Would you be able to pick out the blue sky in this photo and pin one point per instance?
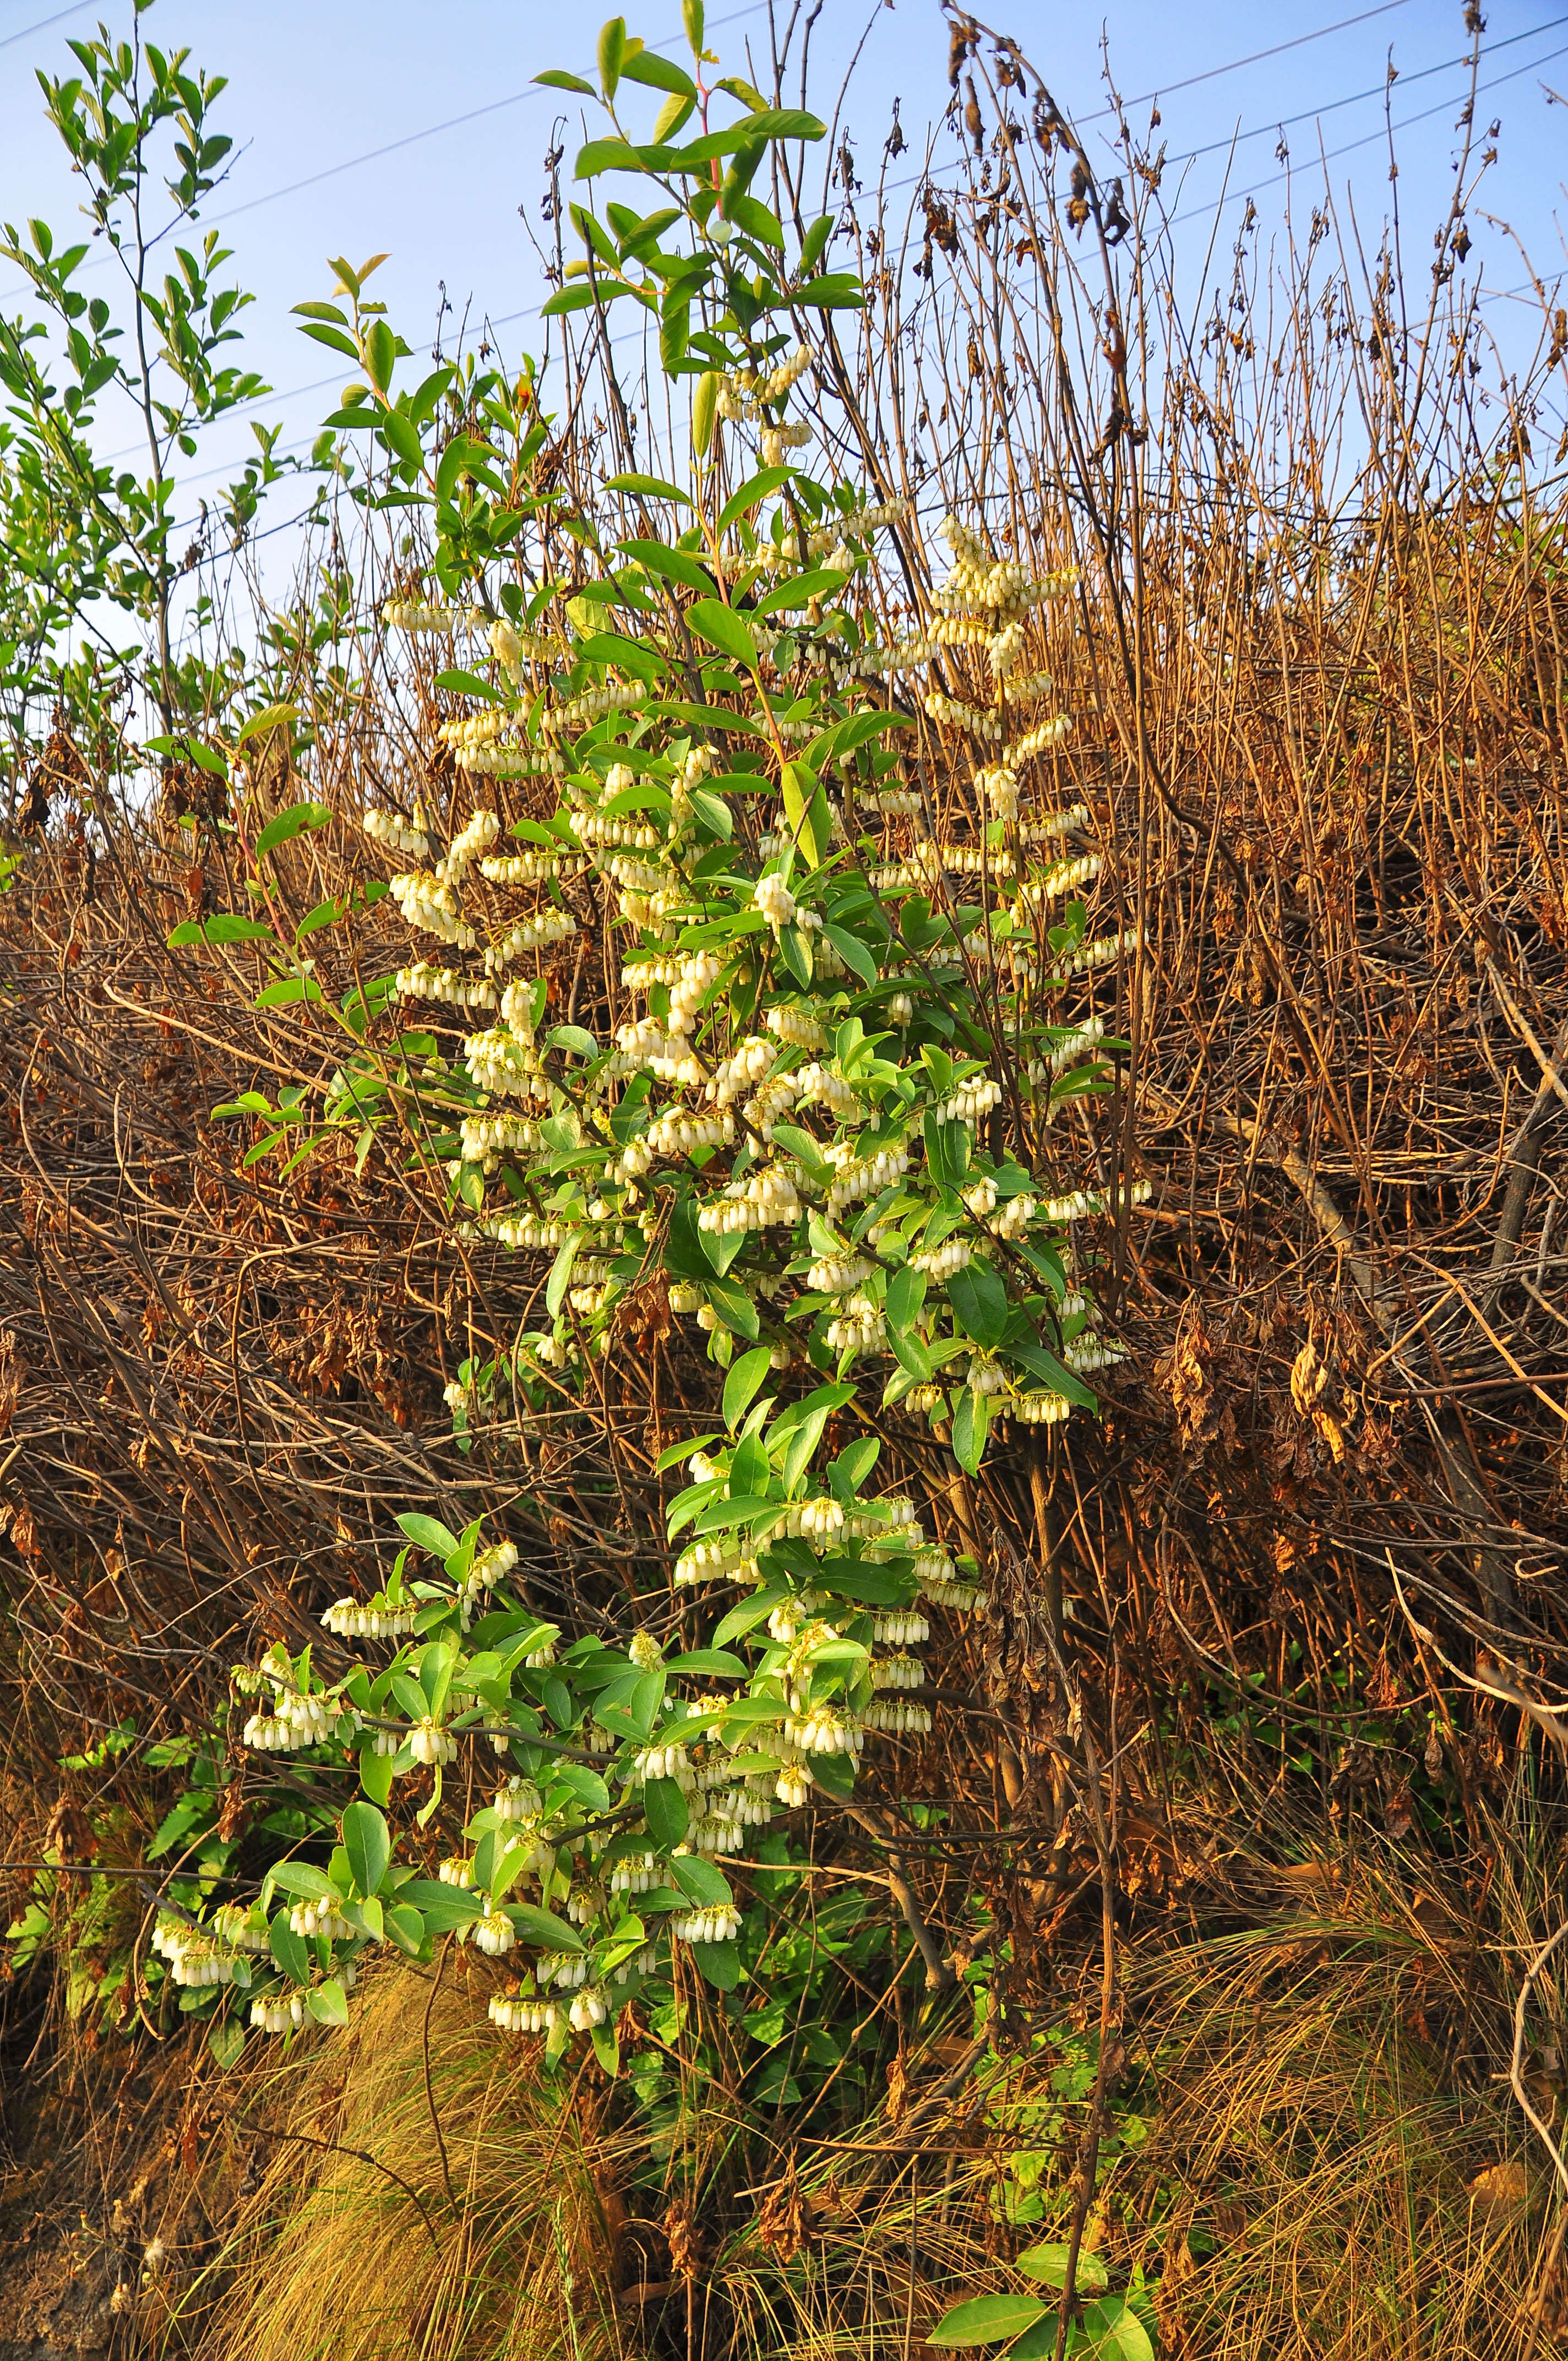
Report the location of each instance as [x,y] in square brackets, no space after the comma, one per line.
[313,86]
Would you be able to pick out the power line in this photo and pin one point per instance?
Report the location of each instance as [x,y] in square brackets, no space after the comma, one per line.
[1376,90]
[1236,196]
[1256,57]
[373,155]
[44,22]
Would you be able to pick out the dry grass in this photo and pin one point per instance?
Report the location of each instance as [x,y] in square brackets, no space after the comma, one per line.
[427,2193]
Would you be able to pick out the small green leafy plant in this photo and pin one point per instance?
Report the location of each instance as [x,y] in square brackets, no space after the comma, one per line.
[819,1133]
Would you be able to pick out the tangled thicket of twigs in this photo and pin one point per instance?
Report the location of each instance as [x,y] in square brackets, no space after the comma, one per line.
[1317,672]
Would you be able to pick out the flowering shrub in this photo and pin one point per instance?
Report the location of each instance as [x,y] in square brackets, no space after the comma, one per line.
[853,1009]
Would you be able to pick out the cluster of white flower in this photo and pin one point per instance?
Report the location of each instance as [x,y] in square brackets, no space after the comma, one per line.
[775,441]
[487,1136]
[773,898]
[429,1743]
[501,1064]
[295,1721]
[277,2013]
[428,902]
[795,1026]
[312,1917]
[535,934]
[423,981]
[1086,1354]
[532,868]
[981,720]
[493,1933]
[581,712]
[385,827]
[719,1923]
[836,1274]
[1064,878]
[1101,953]
[376,1618]
[857,1327]
[898,1718]
[476,836]
[818,1084]
[939,1263]
[496,760]
[1014,1220]
[515,1800]
[564,1969]
[723,1559]
[194,1958]
[415,615]
[858,1177]
[513,648]
[971,1099]
[521,2014]
[901,1627]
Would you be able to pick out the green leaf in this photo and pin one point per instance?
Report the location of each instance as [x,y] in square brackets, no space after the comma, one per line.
[655,72]
[301,1877]
[226,2039]
[744,1383]
[402,437]
[557,79]
[1115,2331]
[979,1297]
[427,1534]
[606,156]
[652,487]
[801,588]
[971,1420]
[719,1963]
[269,718]
[986,2320]
[287,990]
[853,953]
[733,1306]
[664,1810]
[375,1774]
[380,354]
[467,683]
[444,1908]
[749,213]
[560,1278]
[225,926]
[288,1951]
[291,823]
[542,1928]
[367,1843]
[1048,2265]
[755,488]
[806,811]
[328,2002]
[722,627]
[700,1882]
[671,564]
[611,49]
[405,1926]
[836,290]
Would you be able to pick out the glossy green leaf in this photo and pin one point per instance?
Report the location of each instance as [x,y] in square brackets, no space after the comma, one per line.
[986,2320]
[368,1844]
[722,627]
[291,823]
[664,1810]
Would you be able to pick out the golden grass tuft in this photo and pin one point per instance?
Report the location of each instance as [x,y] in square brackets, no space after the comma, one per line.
[492,2238]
